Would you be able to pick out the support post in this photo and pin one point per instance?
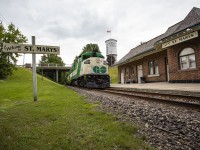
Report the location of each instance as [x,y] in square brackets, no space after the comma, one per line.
[24,60]
[34,72]
[57,75]
[42,73]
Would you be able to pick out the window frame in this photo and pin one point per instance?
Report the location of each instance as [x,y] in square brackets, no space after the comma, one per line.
[153,67]
[187,61]
[127,71]
[132,70]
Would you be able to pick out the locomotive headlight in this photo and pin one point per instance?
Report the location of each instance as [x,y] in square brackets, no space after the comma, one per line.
[97,60]
[87,62]
[105,62]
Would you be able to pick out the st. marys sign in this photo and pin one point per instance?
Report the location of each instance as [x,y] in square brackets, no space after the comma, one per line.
[31,49]
[180,39]
[28,48]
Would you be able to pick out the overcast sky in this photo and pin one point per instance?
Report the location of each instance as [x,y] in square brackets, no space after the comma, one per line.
[71,24]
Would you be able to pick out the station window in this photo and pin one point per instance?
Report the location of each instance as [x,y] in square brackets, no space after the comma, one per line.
[132,71]
[127,71]
[153,67]
[187,59]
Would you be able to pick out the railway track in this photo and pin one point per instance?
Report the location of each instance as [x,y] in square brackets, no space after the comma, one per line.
[164,126]
[178,100]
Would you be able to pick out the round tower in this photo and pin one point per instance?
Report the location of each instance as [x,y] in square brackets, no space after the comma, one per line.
[111,51]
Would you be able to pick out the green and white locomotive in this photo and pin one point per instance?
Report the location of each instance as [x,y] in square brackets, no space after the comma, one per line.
[89,70]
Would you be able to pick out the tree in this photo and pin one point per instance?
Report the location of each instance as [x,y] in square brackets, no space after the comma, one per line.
[51,58]
[90,47]
[8,60]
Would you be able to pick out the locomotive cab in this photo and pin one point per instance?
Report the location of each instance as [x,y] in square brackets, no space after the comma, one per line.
[95,70]
[90,70]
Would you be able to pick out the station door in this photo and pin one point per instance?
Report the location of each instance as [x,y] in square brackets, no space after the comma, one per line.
[122,76]
[139,73]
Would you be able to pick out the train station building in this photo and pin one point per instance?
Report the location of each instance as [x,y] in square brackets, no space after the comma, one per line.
[173,56]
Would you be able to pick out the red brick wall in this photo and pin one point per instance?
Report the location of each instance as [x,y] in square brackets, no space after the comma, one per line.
[172,54]
[189,75]
[159,57]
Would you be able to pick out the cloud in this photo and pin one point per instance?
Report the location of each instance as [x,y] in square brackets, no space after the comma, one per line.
[71,24]
[90,27]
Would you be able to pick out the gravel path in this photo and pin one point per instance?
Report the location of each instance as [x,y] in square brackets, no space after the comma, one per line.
[162,126]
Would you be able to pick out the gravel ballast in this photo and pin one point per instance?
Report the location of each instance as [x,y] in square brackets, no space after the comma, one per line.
[163,126]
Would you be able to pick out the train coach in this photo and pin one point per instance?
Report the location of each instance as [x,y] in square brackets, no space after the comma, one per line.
[89,70]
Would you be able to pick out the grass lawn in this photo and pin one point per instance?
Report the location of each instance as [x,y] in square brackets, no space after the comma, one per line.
[113,72]
[60,119]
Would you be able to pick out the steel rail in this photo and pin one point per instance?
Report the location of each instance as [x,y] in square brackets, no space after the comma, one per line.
[159,98]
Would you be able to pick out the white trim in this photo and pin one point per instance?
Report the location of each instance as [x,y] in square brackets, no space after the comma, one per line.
[154,75]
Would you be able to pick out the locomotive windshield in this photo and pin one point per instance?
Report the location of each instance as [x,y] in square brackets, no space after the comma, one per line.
[91,54]
[85,57]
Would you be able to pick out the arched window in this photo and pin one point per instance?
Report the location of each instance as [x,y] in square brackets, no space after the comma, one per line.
[187,59]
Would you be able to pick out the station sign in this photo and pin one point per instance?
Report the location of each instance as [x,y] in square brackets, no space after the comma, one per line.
[180,39]
[31,49]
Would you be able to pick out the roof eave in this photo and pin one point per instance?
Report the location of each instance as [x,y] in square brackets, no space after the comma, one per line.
[183,32]
[140,56]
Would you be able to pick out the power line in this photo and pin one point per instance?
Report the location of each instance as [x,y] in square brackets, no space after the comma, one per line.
[3,19]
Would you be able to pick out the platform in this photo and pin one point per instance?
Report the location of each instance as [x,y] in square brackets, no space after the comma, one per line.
[190,89]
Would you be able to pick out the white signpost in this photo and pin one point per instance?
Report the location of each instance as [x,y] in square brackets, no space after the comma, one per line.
[31,49]
[34,71]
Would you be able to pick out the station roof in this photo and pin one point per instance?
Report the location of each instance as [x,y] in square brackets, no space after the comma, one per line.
[192,19]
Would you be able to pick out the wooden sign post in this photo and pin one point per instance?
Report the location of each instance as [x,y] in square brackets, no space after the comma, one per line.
[34,72]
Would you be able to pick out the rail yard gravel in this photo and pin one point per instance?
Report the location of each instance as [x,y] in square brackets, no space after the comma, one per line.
[163,126]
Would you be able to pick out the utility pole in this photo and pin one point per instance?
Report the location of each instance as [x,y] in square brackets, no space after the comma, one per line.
[34,72]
